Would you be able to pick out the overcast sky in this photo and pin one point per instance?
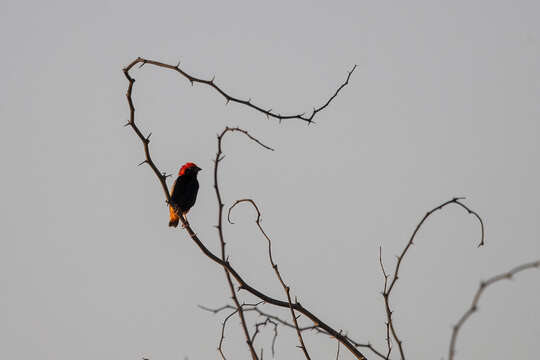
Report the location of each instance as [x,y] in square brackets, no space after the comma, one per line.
[444,102]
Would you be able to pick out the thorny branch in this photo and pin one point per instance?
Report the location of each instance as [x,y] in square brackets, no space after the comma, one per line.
[219,157]
[474,305]
[162,180]
[366,346]
[387,323]
[275,267]
[255,308]
[220,346]
[388,289]
[268,112]
[268,319]
[263,324]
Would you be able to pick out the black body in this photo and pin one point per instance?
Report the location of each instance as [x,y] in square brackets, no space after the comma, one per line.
[184,191]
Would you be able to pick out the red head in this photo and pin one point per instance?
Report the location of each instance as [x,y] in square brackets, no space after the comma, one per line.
[189,166]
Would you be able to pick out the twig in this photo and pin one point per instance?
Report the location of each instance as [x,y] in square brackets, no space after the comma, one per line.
[228,98]
[387,323]
[474,305]
[274,320]
[388,290]
[367,346]
[286,288]
[264,324]
[220,346]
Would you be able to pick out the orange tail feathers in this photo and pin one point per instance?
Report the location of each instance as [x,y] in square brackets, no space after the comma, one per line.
[173,219]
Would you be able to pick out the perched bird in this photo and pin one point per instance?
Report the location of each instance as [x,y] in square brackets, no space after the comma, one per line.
[183,192]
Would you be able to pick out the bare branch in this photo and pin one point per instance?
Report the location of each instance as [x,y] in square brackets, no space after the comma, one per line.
[217,310]
[286,288]
[387,290]
[220,346]
[475,214]
[367,346]
[388,316]
[239,309]
[228,98]
[255,308]
[264,324]
[474,305]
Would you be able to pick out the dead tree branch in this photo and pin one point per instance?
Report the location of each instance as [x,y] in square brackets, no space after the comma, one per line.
[220,346]
[286,288]
[219,157]
[367,346]
[388,289]
[228,98]
[387,323]
[474,305]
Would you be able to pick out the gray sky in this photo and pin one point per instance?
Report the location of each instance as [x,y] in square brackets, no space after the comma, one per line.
[444,103]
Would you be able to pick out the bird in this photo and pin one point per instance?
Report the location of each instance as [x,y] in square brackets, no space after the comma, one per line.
[183,193]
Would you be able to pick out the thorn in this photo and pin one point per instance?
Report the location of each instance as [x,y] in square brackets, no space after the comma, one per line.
[177,64]
[191,81]
[142,64]
[145,161]
[148,138]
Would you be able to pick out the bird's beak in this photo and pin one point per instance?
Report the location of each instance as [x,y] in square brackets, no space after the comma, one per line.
[198,168]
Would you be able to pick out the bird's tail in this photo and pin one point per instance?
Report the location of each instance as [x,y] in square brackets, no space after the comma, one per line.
[173,217]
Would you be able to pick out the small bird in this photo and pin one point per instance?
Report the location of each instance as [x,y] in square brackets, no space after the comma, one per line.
[183,192]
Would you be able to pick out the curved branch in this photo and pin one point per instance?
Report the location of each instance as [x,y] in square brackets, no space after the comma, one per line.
[474,305]
[269,113]
[387,290]
[220,346]
[219,157]
[275,267]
